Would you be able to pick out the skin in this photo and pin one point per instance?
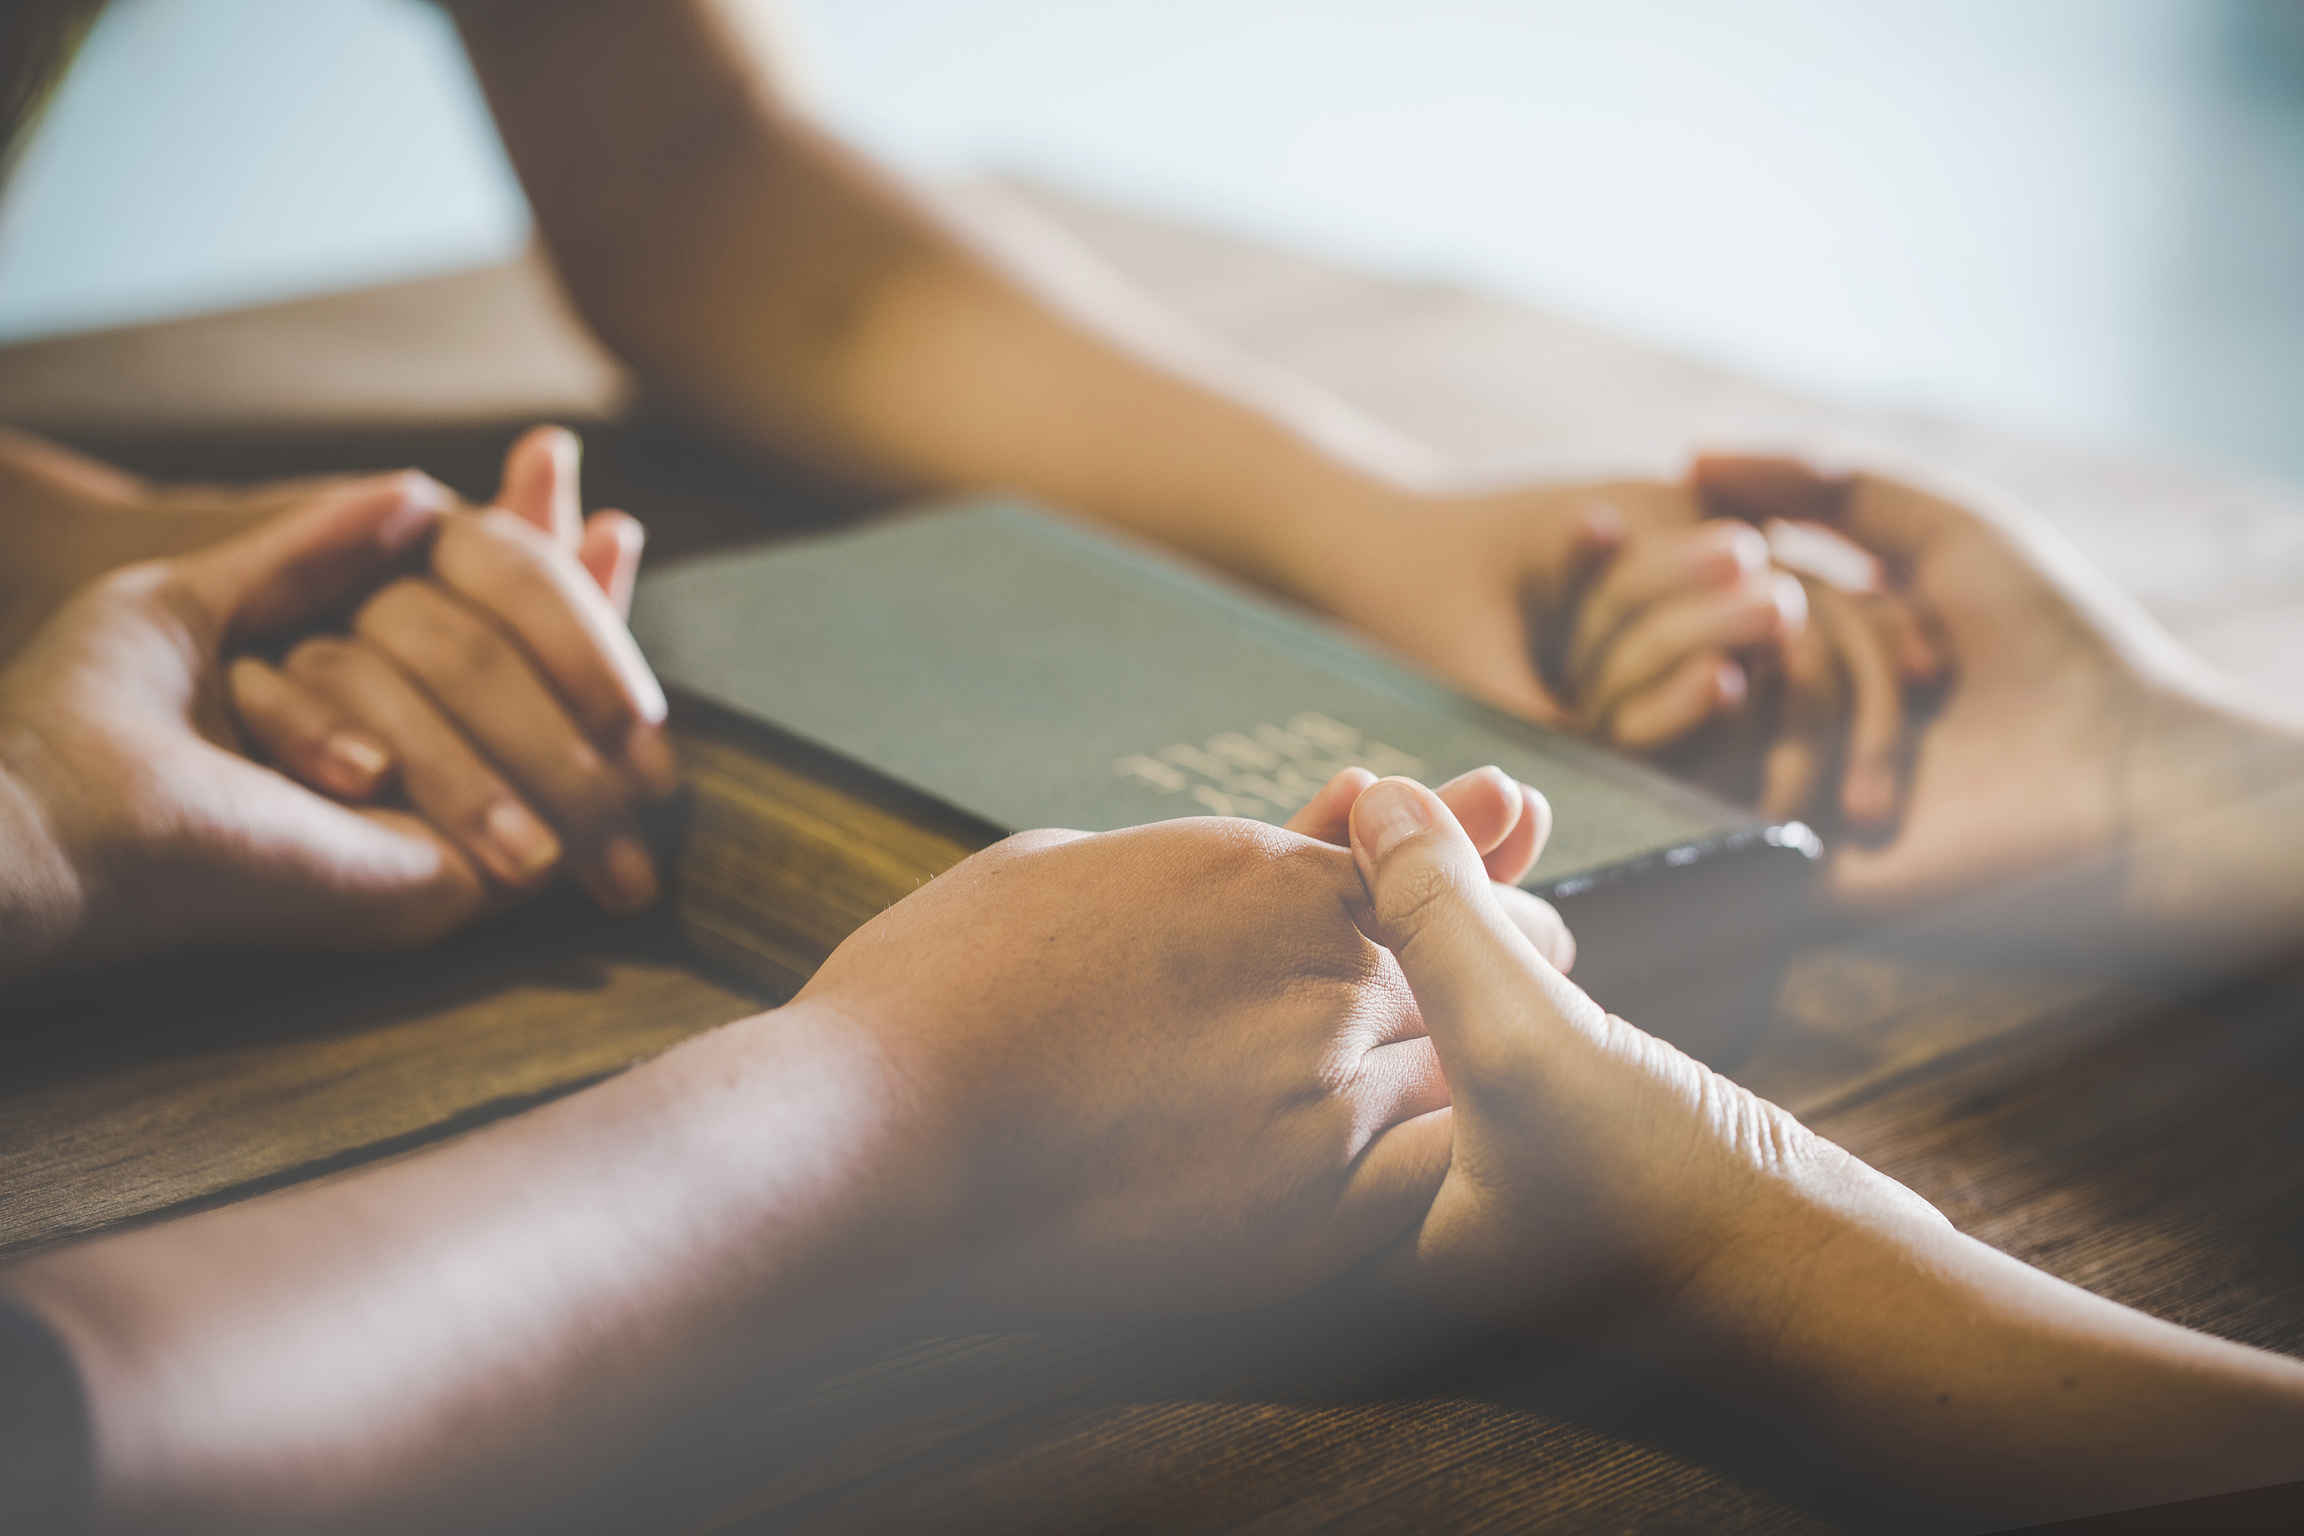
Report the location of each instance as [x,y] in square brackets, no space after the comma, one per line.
[1594,1161]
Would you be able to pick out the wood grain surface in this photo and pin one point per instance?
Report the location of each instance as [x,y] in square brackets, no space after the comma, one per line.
[2138,1140]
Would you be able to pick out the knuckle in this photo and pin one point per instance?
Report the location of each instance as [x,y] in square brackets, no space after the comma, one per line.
[492,550]
[414,483]
[596,793]
[430,633]
[320,659]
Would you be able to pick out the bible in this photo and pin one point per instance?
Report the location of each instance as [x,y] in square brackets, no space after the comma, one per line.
[859,711]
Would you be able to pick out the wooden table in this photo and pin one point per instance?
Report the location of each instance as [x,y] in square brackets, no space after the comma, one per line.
[2148,1146]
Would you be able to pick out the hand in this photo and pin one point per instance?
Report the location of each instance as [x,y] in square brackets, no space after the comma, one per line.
[1474,587]
[498,690]
[2077,741]
[1612,610]
[1507,822]
[1151,1071]
[1591,1160]
[139,826]
[1696,646]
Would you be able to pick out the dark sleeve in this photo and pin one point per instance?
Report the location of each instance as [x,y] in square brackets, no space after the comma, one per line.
[46,1475]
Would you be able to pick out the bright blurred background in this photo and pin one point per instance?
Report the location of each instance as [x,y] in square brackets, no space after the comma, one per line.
[2081,218]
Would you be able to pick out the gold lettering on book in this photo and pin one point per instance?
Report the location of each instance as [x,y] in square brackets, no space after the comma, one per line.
[1266,771]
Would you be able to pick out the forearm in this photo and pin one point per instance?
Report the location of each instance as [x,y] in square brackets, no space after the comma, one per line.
[467,1334]
[1938,1365]
[794,296]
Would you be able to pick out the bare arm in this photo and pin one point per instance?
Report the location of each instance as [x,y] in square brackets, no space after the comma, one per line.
[444,1342]
[801,300]
[806,302]
[1942,1365]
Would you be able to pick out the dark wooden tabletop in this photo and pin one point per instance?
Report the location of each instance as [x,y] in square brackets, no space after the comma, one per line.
[2145,1143]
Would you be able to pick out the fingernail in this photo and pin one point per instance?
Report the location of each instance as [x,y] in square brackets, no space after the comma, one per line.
[526,845]
[1746,552]
[1732,685]
[648,697]
[1504,781]
[1791,602]
[1388,812]
[421,500]
[359,764]
[649,755]
[631,872]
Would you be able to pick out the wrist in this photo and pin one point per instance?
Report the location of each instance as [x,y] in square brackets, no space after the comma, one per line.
[1796,1254]
[853,1188]
[1334,538]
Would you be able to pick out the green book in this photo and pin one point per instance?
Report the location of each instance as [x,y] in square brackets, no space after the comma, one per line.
[859,710]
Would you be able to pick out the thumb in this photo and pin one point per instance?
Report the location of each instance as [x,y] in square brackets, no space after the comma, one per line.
[1479,982]
[289,570]
[541,483]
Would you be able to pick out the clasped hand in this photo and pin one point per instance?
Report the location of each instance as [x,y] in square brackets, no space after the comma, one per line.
[450,700]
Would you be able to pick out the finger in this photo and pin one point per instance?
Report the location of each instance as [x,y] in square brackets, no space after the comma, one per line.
[539,594]
[1757,487]
[1868,779]
[1807,728]
[333,876]
[1764,611]
[1918,656]
[1510,860]
[1509,822]
[1328,814]
[1480,984]
[1556,592]
[1700,689]
[542,484]
[287,572]
[1486,803]
[485,684]
[307,736]
[1394,1180]
[1567,555]
[1812,549]
[1397,1081]
[611,550]
[1541,923]
[1661,566]
[444,779]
